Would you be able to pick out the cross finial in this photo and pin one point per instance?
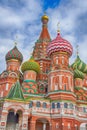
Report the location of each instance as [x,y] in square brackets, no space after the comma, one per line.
[58,26]
[31,53]
[77,50]
[15,43]
[44,12]
[16,39]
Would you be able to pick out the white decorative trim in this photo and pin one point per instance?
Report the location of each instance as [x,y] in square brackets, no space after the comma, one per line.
[60,71]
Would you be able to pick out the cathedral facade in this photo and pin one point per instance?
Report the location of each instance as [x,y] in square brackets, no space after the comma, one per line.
[45,92]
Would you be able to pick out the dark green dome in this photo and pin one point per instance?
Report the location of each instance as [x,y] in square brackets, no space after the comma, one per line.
[30,65]
[14,54]
[78,74]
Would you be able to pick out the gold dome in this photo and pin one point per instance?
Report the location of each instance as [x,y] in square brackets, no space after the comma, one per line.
[45,17]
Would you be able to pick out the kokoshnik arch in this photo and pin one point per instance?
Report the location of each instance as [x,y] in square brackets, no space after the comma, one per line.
[46,93]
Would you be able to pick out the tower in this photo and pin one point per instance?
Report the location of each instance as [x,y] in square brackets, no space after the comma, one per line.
[30,70]
[40,55]
[12,73]
[60,78]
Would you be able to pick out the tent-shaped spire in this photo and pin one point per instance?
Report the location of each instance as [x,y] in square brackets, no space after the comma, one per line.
[44,33]
[16,92]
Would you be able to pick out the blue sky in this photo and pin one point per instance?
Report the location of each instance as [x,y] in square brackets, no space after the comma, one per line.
[22,18]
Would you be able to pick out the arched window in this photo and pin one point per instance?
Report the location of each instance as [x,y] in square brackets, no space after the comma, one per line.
[30,104]
[46,89]
[53,105]
[58,105]
[38,104]
[62,60]
[65,105]
[44,105]
[71,106]
[64,86]
[84,109]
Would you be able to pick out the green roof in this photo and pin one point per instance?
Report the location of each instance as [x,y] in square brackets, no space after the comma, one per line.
[30,65]
[16,92]
[78,74]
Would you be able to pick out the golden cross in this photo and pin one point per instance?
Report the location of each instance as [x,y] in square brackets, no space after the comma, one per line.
[44,12]
[58,26]
[77,51]
[15,43]
[16,39]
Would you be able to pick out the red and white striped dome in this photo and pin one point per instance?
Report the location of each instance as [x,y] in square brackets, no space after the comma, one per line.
[59,45]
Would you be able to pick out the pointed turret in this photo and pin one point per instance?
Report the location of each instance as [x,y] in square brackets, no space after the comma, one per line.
[16,92]
[42,42]
[40,54]
[44,33]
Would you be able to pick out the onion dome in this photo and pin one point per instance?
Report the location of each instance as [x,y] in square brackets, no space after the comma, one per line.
[80,65]
[14,54]
[78,74]
[59,45]
[30,65]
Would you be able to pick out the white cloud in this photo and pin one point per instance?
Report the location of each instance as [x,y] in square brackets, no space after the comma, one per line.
[14,23]
[68,14]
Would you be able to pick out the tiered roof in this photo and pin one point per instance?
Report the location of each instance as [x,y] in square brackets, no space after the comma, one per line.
[16,92]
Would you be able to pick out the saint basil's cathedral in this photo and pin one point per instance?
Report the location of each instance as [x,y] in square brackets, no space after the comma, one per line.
[45,92]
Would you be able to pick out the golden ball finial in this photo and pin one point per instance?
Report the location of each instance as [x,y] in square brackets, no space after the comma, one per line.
[58,26]
[45,17]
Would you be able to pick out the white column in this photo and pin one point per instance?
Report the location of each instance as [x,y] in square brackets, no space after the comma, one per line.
[25,122]
[3,120]
[44,126]
[1,94]
[7,85]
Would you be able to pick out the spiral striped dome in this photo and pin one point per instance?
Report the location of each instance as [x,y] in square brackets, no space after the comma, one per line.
[59,45]
[80,65]
[78,74]
[14,54]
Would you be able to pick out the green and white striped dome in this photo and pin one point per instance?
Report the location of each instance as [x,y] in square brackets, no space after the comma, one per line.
[80,65]
[78,74]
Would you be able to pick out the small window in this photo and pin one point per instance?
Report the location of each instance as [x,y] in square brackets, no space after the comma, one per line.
[30,104]
[65,105]
[84,109]
[44,105]
[71,106]
[58,105]
[53,105]
[38,104]
[64,86]
[46,89]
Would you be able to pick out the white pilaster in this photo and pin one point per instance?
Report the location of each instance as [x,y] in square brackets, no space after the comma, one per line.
[44,126]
